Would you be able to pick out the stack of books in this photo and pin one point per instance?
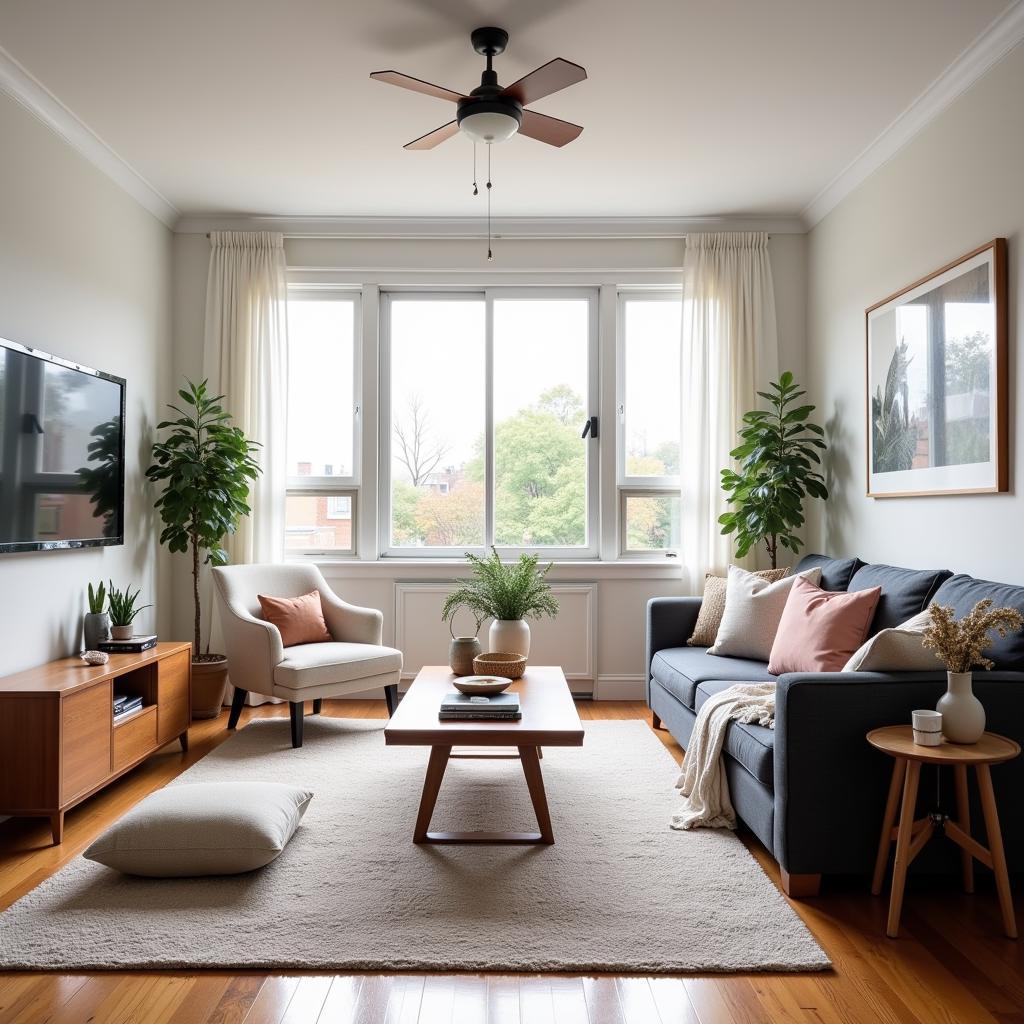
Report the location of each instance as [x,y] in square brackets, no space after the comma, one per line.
[458,707]
[125,704]
[136,645]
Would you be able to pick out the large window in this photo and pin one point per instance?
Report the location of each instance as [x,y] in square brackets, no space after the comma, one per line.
[649,414]
[323,413]
[484,399]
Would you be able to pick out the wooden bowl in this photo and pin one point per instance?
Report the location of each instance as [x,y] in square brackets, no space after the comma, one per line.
[482,685]
[511,666]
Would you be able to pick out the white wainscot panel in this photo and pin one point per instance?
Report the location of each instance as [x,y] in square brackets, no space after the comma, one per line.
[570,640]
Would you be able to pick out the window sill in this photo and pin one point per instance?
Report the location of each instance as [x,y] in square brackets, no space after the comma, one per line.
[432,568]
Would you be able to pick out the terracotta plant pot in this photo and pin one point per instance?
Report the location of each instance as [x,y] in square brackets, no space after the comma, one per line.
[209,680]
[122,632]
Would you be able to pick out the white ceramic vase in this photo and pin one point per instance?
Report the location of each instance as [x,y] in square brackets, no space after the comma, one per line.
[509,636]
[963,715]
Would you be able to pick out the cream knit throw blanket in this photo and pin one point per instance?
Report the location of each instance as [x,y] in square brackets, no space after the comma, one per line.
[703,782]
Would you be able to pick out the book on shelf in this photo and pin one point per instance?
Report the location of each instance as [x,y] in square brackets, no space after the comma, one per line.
[124,704]
[473,716]
[135,645]
[503,702]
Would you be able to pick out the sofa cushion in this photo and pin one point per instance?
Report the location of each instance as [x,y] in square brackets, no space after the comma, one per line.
[820,629]
[323,664]
[905,592]
[752,745]
[836,573]
[680,669]
[962,593]
[712,605]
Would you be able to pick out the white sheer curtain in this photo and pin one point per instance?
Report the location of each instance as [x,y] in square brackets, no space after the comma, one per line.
[246,360]
[730,351]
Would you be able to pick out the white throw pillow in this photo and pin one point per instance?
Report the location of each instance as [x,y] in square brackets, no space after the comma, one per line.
[899,649]
[753,609]
[214,828]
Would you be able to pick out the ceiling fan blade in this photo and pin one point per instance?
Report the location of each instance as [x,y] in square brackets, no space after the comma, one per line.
[548,78]
[548,129]
[434,138]
[416,85]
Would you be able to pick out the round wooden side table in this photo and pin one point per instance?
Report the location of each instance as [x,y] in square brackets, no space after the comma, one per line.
[911,836]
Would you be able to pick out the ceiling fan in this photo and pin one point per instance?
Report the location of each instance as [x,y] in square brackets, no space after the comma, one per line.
[490,113]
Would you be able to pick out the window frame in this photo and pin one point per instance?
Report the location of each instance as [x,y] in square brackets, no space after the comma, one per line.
[488,294]
[350,484]
[636,486]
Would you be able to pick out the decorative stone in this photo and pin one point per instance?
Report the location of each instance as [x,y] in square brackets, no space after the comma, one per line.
[95,657]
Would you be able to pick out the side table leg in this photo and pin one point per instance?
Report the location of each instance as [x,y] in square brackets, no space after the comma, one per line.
[995,846]
[963,819]
[899,871]
[431,787]
[899,771]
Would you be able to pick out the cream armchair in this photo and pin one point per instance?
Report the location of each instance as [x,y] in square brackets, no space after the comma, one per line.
[259,663]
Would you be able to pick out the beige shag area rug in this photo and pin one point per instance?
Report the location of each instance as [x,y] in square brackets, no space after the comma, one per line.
[619,890]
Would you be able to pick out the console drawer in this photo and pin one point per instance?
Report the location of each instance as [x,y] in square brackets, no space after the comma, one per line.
[134,738]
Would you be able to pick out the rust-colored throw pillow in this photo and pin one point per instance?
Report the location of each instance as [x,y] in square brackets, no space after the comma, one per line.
[820,629]
[300,620]
[712,607]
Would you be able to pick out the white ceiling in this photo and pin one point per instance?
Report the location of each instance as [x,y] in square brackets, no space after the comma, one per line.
[692,107]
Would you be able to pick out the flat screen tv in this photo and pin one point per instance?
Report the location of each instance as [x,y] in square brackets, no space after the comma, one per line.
[61,453]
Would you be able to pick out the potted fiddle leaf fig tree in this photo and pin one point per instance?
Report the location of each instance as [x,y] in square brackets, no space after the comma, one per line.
[207,468]
[779,463]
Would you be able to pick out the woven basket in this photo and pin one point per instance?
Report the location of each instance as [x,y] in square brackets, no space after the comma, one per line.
[510,666]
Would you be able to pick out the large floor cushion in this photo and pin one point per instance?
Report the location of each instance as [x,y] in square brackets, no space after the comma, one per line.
[680,669]
[752,745]
[323,664]
[963,592]
[905,592]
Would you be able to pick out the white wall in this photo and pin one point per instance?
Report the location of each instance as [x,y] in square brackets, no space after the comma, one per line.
[957,185]
[621,591]
[85,273]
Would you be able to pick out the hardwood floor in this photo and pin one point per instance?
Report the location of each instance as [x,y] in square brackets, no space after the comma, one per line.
[951,964]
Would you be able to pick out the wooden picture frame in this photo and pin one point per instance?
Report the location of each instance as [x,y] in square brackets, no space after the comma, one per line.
[937,382]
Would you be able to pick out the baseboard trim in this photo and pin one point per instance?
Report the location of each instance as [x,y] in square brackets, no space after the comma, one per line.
[621,687]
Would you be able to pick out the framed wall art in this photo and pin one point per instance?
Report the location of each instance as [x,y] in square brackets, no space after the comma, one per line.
[937,387]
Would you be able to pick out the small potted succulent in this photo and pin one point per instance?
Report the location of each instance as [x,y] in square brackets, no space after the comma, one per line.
[123,611]
[97,622]
[509,594]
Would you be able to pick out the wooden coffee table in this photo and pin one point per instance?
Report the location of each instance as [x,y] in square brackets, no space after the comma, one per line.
[549,720]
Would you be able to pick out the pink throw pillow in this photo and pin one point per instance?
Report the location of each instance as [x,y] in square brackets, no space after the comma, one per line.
[820,629]
[300,620]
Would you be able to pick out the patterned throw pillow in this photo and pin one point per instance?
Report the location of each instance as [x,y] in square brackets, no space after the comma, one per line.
[712,607]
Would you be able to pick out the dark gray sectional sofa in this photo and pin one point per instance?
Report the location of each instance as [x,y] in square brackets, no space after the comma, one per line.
[812,790]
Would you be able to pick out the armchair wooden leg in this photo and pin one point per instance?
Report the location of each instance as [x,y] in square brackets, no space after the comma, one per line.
[318,705]
[391,696]
[296,709]
[237,703]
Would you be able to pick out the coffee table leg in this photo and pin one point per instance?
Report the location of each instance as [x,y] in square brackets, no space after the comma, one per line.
[535,783]
[995,847]
[899,871]
[431,787]
[899,770]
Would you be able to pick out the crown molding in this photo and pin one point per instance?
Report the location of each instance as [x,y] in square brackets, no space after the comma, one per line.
[1003,35]
[474,227]
[19,83]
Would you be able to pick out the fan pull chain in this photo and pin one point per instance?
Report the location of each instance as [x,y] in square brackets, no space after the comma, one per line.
[490,255]
[476,191]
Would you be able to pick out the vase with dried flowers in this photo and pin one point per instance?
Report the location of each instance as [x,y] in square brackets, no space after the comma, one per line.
[959,645]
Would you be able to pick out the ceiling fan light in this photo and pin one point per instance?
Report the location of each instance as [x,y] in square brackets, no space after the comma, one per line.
[489,126]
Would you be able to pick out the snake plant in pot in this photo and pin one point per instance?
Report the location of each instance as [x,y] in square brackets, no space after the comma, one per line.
[207,468]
